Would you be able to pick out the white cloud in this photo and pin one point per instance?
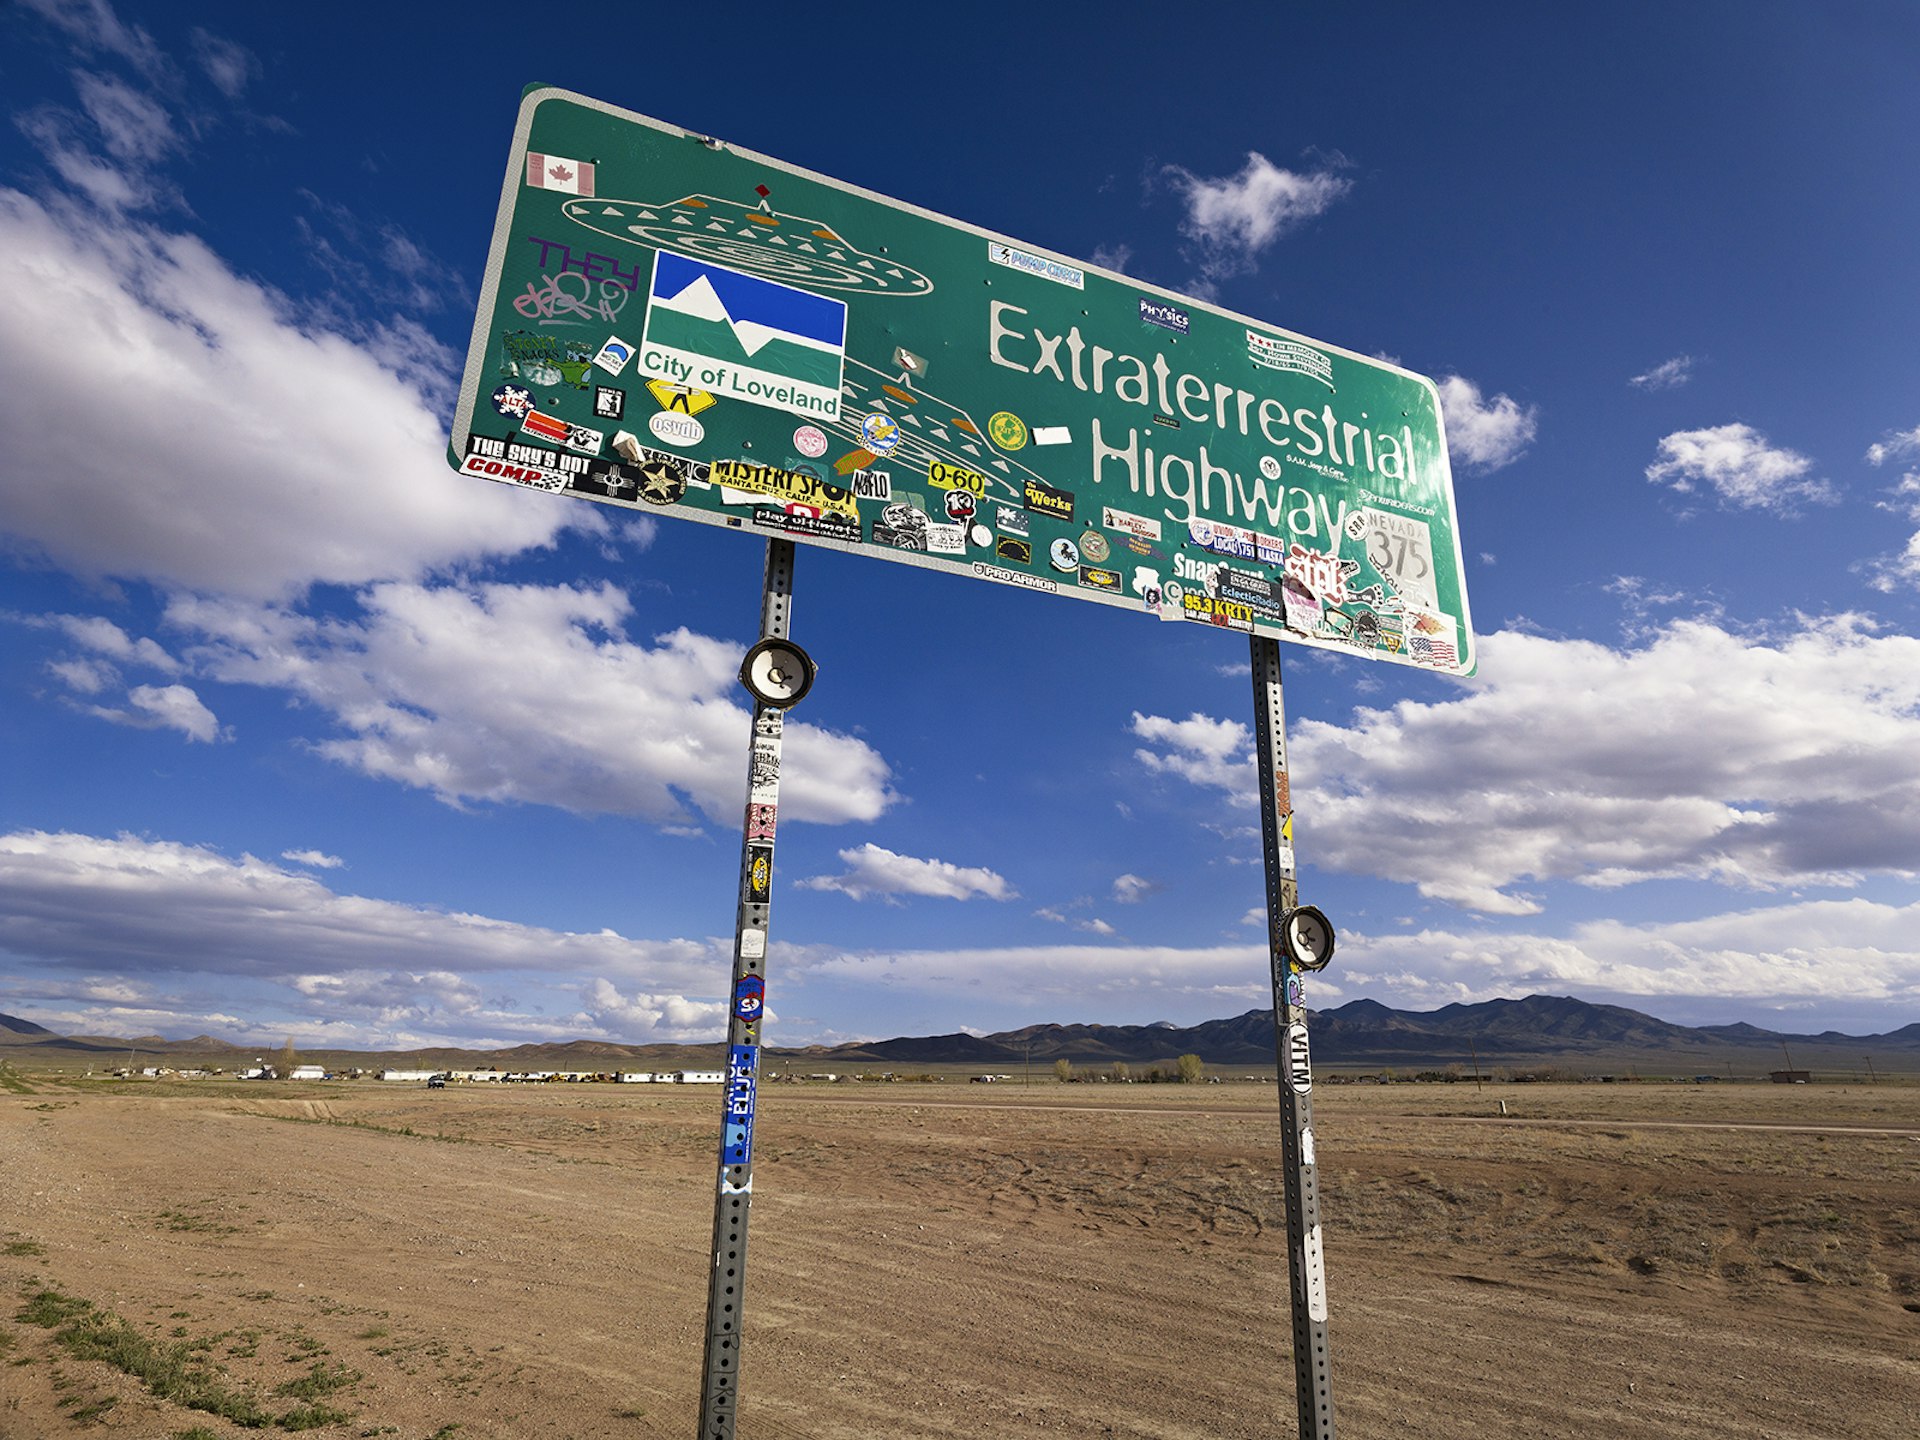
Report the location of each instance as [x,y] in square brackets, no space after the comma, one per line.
[314,859]
[163,907]
[873,870]
[1903,569]
[1667,375]
[92,26]
[176,707]
[103,637]
[1233,218]
[1777,957]
[231,445]
[122,930]
[647,1017]
[1230,975]
[1855,952]
[1737,463]
[230,66]
[153,707]
[1094,925]
[135,128]
[1132,889]
[1201,750]
[89,677]
[531,693]
[1699,754]
[1482,434]
[1896,444]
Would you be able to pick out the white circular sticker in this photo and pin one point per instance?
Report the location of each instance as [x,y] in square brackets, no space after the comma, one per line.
[1269,467]
[677,429]
[810,441]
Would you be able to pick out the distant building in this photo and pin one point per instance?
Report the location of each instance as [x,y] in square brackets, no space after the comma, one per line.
[308,1072]
[1791,1077]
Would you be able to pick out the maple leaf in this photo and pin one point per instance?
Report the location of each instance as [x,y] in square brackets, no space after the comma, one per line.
[560,173]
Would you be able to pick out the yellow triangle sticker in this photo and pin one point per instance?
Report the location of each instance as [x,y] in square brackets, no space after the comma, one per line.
[685,400]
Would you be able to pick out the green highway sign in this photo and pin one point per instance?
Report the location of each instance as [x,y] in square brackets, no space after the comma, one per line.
[679,326]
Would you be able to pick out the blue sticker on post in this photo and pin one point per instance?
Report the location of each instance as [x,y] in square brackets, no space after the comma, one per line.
[750,999]
[736,1143]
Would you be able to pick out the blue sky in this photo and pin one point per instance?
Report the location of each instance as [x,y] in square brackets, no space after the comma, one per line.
[305,734]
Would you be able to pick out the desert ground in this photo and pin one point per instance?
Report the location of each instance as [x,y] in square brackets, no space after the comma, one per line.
[353,1258]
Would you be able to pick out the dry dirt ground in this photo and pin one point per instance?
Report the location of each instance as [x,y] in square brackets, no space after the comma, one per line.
[957,1261]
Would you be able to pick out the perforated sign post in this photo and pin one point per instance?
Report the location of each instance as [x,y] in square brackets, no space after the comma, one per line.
[673,325]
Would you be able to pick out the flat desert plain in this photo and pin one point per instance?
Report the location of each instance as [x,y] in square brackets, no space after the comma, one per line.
[951,1260]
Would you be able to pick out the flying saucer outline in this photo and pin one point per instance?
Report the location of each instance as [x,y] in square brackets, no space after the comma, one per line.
[756,238]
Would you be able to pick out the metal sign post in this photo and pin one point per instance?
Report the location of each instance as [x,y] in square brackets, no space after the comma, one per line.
[726,1286]
[1313,1385]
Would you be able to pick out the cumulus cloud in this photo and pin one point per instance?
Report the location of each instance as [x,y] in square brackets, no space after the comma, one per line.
[1749,962]
[1201,750]
[1667,375]
[375,971]
[1700,753]
[455,691]
[1132,889]
[170,707]
[1767,958]
[1901,570]
[1739,465]
[1233,976]
[1231,220]
[103,638]
[1483,434]
[648,1017]
[874,870]
[231,445]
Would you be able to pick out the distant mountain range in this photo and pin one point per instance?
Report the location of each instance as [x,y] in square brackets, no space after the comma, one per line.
[1540,1030]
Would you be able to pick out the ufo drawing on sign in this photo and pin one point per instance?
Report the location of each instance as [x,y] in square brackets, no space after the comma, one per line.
[756,238]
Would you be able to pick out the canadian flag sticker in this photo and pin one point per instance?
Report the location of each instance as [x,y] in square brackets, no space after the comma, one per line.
[557,172]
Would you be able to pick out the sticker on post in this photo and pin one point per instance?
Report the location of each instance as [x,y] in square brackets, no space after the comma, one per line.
[750,999]
[1299,1067]
[763,773]
[753,944]
[1316,1268]
[736,1146]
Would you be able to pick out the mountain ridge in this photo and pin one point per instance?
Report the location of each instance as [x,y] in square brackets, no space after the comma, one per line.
[1532,1030]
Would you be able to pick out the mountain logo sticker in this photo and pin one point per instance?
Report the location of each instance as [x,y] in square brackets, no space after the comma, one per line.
[739,335]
